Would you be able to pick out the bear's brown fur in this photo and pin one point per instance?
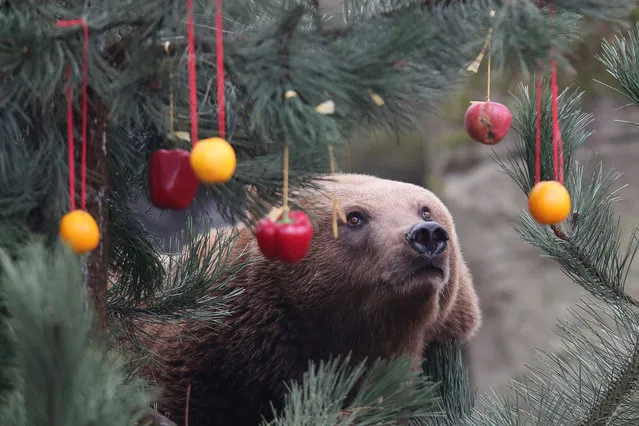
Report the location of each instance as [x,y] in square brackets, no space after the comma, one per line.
[359,293]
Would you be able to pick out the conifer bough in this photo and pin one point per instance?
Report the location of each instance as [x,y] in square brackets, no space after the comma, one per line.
[398,51]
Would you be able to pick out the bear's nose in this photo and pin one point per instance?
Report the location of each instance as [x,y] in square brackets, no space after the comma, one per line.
[428,238]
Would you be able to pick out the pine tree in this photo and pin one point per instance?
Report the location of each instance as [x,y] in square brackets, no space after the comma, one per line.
[66,317]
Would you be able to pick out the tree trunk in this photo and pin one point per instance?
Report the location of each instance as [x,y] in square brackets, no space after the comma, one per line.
[98,205]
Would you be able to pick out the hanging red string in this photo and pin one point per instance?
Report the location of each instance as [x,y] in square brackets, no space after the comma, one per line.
[538,127]
[212,159]
[549,201]
[70,128]
[192,70]
[538,123]
[70,140]
[557,143]
[219,53]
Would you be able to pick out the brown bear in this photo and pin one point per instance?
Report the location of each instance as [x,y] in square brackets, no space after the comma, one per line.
[393,281]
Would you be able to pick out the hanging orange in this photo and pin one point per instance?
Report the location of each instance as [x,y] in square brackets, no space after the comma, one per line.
[549,202]
[213,160]
[80,231]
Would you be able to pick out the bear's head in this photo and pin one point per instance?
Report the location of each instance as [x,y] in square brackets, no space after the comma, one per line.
[397,259]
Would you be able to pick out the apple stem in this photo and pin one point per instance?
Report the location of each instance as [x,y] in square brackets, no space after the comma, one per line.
[488,85]
[490,48]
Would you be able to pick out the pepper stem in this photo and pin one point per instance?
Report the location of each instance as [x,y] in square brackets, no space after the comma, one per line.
[285,216]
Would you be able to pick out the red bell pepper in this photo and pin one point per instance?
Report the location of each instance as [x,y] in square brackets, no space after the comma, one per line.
[172,182]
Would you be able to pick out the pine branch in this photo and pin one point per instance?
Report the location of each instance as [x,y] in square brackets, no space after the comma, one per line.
[444,365]
[600,9]
[620,56]
[519,162]
[386,393]
[625,383]
[594,382]
[65,375]
[589,252]
[191,287]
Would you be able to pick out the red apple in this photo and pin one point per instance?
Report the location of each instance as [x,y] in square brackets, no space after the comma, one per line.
[172,182]
[487,122]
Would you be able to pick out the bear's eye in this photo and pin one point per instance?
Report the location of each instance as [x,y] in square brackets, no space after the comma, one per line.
[355,219]
[426,214]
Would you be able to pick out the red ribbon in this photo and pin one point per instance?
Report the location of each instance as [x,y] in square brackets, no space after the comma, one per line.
[70,129]
[192,76]
[219,49]
[557,143]
[538,128]
[219,53]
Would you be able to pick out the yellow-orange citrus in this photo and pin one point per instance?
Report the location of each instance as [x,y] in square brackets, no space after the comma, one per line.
[549,202]
[80,231]
[213,160]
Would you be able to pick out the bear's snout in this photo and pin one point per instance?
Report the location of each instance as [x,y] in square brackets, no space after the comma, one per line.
[428,239]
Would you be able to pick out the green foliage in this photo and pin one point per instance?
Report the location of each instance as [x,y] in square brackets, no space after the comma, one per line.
[63,373]
[620,56]
[594,383]
[444,364]
[386,392]
[595,380]
[590,253]
[192,287]
[574,133]
[408,53]
[271,47]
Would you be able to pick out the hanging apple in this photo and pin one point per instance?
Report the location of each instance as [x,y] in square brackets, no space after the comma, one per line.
[487,122]
[172,182]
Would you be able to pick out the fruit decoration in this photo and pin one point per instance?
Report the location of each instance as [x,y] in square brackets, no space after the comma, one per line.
[487,122]
[80,231]
[265,230]
[172,182]
[294,237]
[78,228]
[549,202]
[287,239]
[213,160]
[284,234]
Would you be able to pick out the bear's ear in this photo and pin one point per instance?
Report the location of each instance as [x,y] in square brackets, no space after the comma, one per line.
[464,317]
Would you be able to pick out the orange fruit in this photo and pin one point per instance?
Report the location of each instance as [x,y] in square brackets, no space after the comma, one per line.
[549,202]
[80,231]
[213,160]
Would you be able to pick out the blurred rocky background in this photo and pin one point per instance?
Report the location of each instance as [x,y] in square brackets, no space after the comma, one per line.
[522,294]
